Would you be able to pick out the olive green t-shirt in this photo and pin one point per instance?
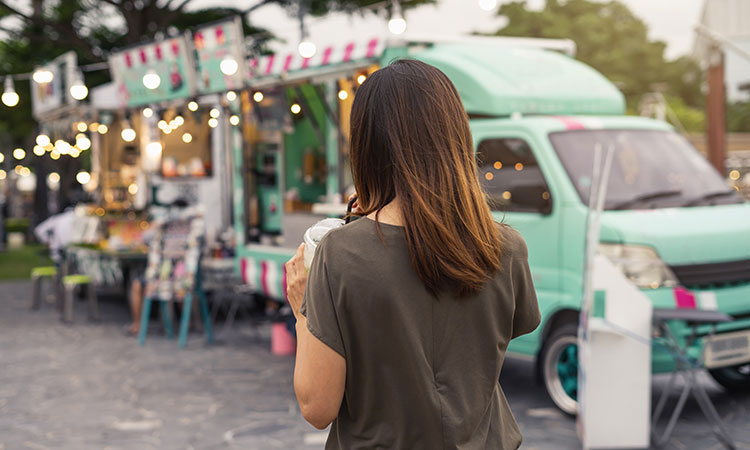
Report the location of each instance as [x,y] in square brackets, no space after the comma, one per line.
[421,372]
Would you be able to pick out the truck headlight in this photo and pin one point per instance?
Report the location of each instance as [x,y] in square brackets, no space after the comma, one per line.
[640,264]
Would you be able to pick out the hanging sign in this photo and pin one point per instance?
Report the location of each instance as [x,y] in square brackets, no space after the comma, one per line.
[50,85]
[153,73]
[219,56]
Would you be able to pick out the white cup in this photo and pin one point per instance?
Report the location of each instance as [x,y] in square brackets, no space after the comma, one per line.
[315,234]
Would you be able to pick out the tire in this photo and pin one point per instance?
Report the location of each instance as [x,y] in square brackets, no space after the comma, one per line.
[734,378]
[559,367]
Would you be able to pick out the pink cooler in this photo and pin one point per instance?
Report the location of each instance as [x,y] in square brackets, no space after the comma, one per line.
[282,342]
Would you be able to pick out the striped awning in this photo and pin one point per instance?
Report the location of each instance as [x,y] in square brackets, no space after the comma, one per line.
[281,64]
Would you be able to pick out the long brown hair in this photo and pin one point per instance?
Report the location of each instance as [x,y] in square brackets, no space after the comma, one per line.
[410,140]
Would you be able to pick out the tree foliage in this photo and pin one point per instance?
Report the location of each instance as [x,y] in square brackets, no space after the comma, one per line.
[610,38]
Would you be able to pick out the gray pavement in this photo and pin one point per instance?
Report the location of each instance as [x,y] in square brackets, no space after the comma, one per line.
[88,386]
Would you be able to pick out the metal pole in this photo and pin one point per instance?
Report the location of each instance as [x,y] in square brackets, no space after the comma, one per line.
[715,111]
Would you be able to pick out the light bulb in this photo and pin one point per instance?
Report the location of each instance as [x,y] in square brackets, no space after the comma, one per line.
[83,177]
[231,96]
[215,113]
[42,76]
[258,97]
[128,134]
[19,153]
[361,79]
[2,157]
[228,66]
[54,177]
[38,150]
[307,49]
[102,129]
[78,89]
[193,106]
[153,149]
[83,143]
[81,126]
[42,140]
[148,113]
[213,123]
[187,138]
[234,120]
[296,109]
[488,5]
[151,80]
[397,24]
[10,96]
[343,95]
[179,121]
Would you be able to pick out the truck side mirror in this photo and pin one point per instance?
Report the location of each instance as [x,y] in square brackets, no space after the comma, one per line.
[535,198]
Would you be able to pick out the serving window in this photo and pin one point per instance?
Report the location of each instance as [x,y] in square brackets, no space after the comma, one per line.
[186,141]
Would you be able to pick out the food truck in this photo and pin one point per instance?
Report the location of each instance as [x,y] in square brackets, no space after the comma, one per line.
[671,224]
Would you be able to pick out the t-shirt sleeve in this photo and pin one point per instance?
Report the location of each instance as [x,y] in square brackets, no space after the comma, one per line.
[526,316]
[319,307]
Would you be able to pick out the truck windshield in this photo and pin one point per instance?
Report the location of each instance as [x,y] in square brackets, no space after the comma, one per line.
[650,169]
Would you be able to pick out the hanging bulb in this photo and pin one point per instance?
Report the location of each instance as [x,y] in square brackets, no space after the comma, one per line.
[397,24]
[148,113]
[307,48]
[42,76]
[193,106]
[78,89]
[151,80]
[127,133]
[228,66]
[10,96]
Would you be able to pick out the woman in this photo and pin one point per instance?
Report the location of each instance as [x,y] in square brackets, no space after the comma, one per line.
[408,311]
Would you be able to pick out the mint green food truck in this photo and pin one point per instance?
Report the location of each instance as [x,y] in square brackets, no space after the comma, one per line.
[670,220]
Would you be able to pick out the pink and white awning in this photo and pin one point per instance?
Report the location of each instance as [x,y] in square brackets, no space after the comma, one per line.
[290,60]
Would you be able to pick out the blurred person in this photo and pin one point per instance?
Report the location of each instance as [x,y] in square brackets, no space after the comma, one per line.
[56,232]
[404,321]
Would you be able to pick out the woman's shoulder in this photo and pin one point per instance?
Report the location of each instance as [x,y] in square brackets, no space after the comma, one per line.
[512,241]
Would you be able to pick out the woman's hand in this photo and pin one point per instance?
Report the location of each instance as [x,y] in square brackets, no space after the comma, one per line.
[355,207]
[296,280]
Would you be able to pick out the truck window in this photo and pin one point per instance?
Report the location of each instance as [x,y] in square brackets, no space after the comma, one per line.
[511,176]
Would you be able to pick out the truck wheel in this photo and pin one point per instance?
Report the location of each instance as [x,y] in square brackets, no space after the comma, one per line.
[733,379]
[559,358]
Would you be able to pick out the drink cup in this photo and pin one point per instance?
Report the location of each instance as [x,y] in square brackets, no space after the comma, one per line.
[314,235]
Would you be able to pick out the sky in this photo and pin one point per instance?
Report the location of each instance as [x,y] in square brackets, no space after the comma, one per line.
[669,20]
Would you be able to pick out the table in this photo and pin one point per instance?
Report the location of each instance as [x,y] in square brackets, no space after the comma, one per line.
[106,266]
[687,368]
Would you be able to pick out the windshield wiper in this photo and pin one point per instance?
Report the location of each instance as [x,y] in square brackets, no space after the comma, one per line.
[647,197]
[710,196]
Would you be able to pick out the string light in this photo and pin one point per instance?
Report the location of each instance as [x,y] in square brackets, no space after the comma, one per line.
[213,123]
[187,138]
[162,124]
[62,147]
[229,66]
[74,152]
[83,177]
[42,140]
[234,120]
[103,129]
[193,106]
[81,126]
[38,150]
[179,121]
[3,175]
[258,97]
[148,113]
[215,113]
[343,95]
[151,80]
[2,157]
[397,24]
[83,142]
[19,153]
[127,133]
[78,89]
[54,154]
[10,96]
[296,109]
[361,79]
[153,149]
[24,172]
[133,189]
[231,96]
[93,127]
[307,48]
[43,76]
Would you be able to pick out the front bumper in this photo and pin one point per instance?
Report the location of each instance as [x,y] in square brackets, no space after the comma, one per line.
[733,300]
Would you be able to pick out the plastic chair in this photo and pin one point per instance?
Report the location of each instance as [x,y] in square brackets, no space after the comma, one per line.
[70,283]
[38,275]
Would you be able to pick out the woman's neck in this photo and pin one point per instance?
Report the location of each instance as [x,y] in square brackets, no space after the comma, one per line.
[390,214]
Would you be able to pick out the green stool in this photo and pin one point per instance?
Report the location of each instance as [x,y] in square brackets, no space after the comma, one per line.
[70,283]
[38,274]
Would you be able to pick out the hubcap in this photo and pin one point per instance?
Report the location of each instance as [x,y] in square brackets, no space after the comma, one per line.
[561,373]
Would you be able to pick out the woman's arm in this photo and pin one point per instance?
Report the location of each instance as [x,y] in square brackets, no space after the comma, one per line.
[319,371]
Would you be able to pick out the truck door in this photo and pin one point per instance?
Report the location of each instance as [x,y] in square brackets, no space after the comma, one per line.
[520,196]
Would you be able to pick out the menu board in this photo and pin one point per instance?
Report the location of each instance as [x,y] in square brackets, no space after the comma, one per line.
[169,60]
[217,44]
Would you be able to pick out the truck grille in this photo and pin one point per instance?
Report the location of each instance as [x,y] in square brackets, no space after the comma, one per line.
[730,272]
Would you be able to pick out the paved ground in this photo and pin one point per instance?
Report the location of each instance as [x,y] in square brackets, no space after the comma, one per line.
[87,386]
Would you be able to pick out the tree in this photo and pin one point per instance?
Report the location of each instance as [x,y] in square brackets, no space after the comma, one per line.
[612,40]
